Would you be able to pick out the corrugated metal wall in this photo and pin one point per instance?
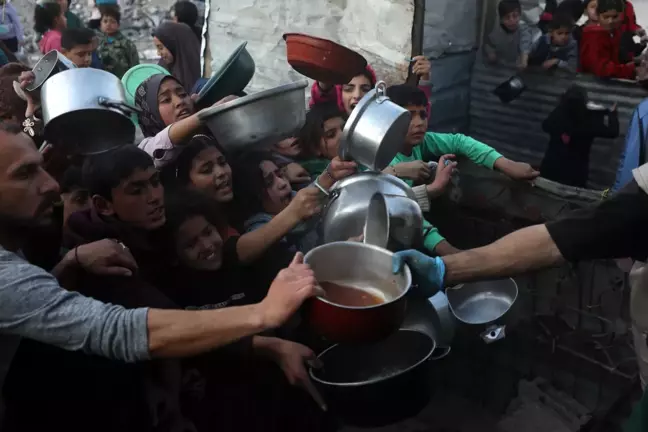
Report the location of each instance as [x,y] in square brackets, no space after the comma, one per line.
[516,129]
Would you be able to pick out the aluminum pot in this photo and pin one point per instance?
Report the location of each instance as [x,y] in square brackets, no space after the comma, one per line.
[86,110]
[486,306]
[259,119]
[361,266]
[393,222]
[377,384]
[49,65]
[376,130]
[345,213]
[433,317]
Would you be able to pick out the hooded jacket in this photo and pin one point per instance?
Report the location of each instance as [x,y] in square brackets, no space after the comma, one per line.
[599,54]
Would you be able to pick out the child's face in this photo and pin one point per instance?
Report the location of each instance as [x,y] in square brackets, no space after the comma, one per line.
[511,21]
[74,201]
[211,174]
[278,193]
[331,137]
[289,147]
[560,36]
[109,25]
[590,10]
[60,23]
[80,55]
[609,20]
[354,91]
[174,103]
[163,52]
[418,125]
[199,245]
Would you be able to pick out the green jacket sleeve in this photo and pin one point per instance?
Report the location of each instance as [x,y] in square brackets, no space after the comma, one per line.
[460,145]
[432,238]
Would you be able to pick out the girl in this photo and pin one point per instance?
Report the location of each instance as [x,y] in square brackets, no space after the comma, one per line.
[179,52]
[186,12]
[49,21]
[572,127]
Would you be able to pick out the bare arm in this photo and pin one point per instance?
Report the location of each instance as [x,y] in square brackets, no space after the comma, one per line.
[253,244]
[521,251]
[184,129]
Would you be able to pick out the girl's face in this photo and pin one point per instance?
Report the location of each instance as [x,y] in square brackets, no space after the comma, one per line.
[288,147]
[199,245]
[60,23]
[354,91]
[163,51]
[211,174]
[331,136]
[174,102]
[590,10]
[277,194]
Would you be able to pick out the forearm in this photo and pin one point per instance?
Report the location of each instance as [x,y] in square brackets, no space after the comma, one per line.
[524,250]
[183,129]
[253,244]
[265,346]
[175,333]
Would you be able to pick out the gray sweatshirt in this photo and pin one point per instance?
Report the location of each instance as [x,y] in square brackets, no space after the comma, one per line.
[33,305]
[508,46]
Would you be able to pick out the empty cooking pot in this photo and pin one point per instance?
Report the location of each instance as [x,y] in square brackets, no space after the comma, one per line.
[49,65]
[377,384]
[376,130]
[377,306]
[86,110]
[433,317]
[393,222]
[485,305]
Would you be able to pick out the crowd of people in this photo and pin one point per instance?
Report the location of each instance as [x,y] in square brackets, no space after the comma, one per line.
[157,284]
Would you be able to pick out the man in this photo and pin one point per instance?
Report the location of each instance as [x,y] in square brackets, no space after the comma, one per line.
[33,305]
[613,229]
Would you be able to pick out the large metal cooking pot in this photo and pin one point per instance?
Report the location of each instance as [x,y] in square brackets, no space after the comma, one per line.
[49,65]
[485,305]
[393,222]
[377,384]
[86,110]
[376,130]
[346,211]
[259,119]
[433,317]
[365,267]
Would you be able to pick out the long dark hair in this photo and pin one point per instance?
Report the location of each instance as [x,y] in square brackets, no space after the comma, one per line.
[312,131]
[182,204]
[574,103]
[176,174]
[44,16]
[249,184]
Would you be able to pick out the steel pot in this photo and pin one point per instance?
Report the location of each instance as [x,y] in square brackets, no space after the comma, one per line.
[49,65]
[86,109]
[259,119]
[393,222]
[433,317]
[376,130]
[377,384]
[361,266]
[345,213]
[484,305]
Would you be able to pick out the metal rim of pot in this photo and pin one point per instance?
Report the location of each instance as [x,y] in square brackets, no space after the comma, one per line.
[460,286]
[406,270]
[245,100]
[427,357]
[53,57]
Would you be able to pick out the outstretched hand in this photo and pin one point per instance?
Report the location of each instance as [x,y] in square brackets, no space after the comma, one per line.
[427,272]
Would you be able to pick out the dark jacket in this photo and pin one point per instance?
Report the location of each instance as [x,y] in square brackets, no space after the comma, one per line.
[544,50]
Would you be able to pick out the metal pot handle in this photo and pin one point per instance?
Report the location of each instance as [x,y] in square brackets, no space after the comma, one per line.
[444,351]
[122,106]
[381,92]
[493,333]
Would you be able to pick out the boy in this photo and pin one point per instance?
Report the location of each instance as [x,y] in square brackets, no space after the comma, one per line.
[601,43]
[75,197]
[77,45]
[423,146]
[556,49]
[510,41]
[117,53]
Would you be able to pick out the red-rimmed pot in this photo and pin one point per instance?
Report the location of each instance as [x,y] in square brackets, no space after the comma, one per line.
[361,266]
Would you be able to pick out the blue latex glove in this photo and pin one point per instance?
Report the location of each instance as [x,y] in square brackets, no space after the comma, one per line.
[428,272]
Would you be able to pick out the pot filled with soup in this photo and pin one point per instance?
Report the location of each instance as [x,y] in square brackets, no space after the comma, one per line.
[364,301]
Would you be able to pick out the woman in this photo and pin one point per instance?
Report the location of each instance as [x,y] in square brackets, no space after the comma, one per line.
[186,12]
[572,127]
[179,52]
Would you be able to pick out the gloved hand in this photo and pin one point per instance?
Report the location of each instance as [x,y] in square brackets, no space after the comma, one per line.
[428,272]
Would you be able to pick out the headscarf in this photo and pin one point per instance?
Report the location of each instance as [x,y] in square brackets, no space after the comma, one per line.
[368,72]
[146,99]
[181,41]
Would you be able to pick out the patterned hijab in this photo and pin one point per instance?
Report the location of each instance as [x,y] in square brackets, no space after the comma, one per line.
[146,99]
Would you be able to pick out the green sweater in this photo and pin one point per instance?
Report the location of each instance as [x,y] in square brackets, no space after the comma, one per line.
[434,146]
[73,21]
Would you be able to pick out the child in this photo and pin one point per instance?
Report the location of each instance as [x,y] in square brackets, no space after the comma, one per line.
[75,196]
[600,45]
[510,41]
[572,127]
[50,22]
[12,33]
[77,45]
[556,49]
[117,53]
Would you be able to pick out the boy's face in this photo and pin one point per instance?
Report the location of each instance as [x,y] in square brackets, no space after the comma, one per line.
[560,36]
[418,125]
[609,20]
[75,200]
[80,55]
[511,20]
[138,200]
[591,12]
[109,25]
